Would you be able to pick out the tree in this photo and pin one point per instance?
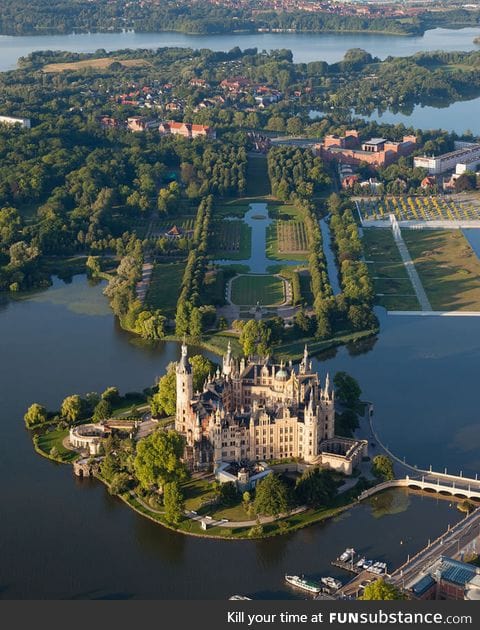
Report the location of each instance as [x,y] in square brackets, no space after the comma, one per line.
[316,488]
[103,410]
[383,467]
[255,338]
[195,323]
[173,502]
[229,494]
[381,590]
[157,461]
[36,414]
[271,498]
[347,389]
[119,483]
[93,265]
[71,408]
[112,395]
[165,400]
[201,368]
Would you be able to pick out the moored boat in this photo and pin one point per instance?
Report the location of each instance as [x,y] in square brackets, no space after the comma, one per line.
[331,583]
[301,582]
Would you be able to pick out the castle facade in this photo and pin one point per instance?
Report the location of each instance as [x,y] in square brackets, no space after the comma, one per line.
[257,410]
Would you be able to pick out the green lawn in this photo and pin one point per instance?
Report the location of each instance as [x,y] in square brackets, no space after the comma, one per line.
[448,268]
[55,439]
[392,286]
[248,290]
[165,287]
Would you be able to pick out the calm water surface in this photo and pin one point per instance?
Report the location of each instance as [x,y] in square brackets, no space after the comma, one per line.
[306,47]
[64,538]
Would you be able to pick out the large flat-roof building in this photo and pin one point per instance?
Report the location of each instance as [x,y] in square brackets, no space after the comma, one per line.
[464,153]
[378,152]
[446,578]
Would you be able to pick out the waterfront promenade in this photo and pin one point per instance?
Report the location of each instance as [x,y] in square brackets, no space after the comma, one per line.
[450,544]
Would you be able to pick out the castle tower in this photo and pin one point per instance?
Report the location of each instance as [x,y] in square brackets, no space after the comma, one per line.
[228,361]
[304,365]
[311,430]
[183,418]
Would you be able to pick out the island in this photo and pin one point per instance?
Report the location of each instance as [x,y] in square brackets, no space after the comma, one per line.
[258,448]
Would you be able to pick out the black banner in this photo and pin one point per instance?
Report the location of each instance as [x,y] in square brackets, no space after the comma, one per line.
[238,615]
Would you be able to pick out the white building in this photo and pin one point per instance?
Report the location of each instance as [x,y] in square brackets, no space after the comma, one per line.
[10,120]
[465,153]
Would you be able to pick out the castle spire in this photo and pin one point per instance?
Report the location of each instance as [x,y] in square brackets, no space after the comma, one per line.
[327,386]
[183,366]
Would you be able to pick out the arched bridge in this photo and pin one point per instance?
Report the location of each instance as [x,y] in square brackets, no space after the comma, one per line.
[460,487]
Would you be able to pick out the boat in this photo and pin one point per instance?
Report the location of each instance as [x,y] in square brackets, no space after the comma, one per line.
[240,597]
[367,564]
[360,563]
[301,582]
[331,583]
[347,555]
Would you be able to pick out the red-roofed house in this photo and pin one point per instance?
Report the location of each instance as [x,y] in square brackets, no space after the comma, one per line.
[187,130]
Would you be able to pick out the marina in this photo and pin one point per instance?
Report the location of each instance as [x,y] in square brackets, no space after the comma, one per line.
[352,562]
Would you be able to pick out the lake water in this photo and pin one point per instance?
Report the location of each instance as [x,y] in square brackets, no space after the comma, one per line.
[306,47]
[458,117]
[65,538]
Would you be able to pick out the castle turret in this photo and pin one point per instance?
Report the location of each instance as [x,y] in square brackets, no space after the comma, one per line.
[304,363]
[184,379]
[228,361]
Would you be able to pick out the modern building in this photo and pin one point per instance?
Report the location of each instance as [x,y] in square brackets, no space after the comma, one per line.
[467,154]
[257,410]
[10,120]
[446,578]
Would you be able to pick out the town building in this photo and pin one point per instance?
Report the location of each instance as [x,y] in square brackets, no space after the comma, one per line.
[465,153]
[187,130]
[256,410]
[446,578]
[378,152]
[10,120]
[140,123]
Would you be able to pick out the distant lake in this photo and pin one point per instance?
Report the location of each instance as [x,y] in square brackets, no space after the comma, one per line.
[306,47]
[459,117]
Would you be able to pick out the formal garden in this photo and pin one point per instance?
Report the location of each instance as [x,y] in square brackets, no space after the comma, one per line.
[268,290]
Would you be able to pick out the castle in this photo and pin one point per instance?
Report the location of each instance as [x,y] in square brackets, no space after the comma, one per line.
[258,410]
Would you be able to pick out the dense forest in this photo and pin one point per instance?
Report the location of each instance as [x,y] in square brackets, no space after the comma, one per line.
[20,17]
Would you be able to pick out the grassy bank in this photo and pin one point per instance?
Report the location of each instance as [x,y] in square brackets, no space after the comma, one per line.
[294,350]
[47,440]
[448,268]
[392,286]
[164,287]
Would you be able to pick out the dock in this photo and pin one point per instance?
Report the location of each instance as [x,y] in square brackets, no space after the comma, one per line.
[347,566]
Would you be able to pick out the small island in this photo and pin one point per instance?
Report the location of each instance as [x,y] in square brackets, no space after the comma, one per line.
[248,449]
